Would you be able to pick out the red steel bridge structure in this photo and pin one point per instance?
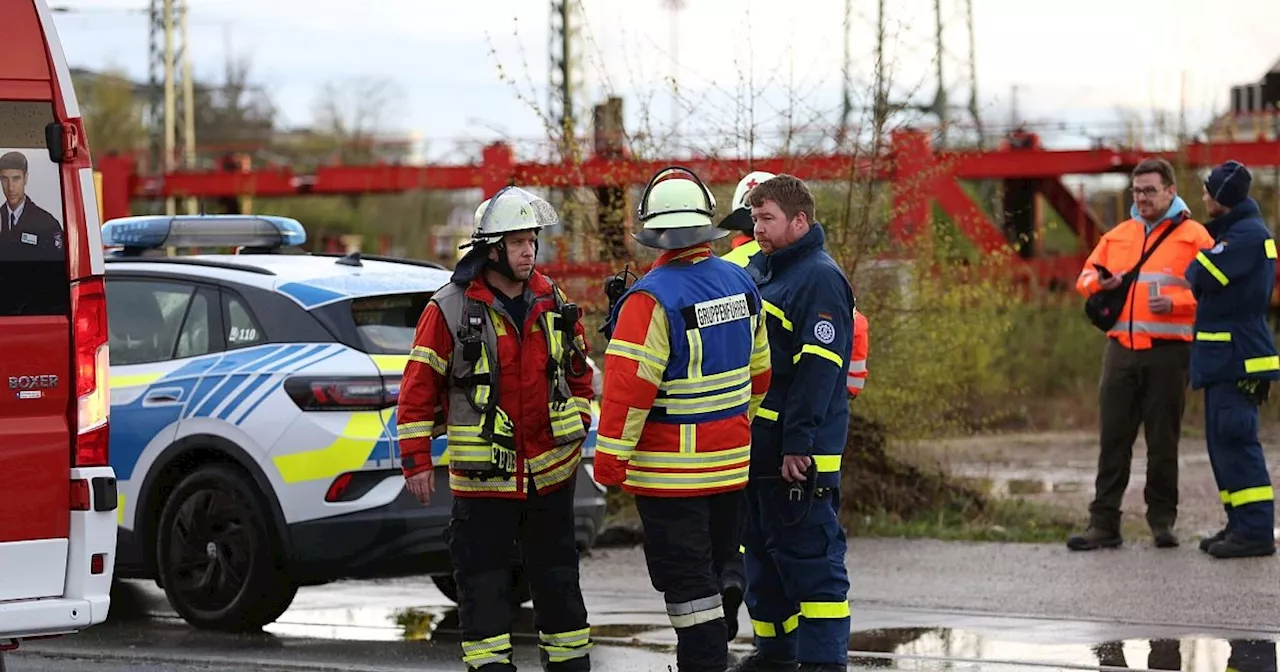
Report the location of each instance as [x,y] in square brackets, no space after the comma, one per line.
[919,177]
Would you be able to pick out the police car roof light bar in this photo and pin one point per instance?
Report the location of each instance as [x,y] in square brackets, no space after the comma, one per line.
[185,231]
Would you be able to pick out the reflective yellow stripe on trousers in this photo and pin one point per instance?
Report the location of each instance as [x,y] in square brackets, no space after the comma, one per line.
[495,649]
[562,646]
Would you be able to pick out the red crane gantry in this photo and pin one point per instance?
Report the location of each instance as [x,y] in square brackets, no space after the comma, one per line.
[919,177]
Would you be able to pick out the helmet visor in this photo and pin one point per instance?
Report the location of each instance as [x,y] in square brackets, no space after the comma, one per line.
[514,209]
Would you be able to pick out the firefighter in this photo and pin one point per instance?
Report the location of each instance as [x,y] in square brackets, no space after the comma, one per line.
[797,583]
[734,581]
[743,245]
[1234,358]
[685,370]
[515,433]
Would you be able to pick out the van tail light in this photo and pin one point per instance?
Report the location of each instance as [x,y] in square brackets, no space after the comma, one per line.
[92,373]
[341,393]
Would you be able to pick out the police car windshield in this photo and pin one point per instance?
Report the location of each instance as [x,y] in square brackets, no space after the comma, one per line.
[386,324]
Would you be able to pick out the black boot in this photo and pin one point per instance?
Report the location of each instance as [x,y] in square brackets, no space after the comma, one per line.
[822,667]
[732,598]
[755,663]
[1209,541]
[1094,538]
[1163,537]
[1236,546]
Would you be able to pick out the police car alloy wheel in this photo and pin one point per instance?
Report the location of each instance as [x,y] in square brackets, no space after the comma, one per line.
[219,557]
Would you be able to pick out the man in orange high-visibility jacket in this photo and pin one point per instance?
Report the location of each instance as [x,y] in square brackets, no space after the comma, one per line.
[501,355]
[1145,366]
[686,368]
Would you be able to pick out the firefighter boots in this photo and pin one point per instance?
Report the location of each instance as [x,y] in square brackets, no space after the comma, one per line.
[1235,546]
[1210,541]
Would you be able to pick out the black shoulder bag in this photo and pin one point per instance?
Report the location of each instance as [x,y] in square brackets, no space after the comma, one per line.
[1104,307]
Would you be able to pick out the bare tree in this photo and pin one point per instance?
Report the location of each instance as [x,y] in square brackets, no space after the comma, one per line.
[351,113]
[234,114]
[112,112]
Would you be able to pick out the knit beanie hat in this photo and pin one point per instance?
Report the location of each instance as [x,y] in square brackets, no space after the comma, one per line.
[1229,183]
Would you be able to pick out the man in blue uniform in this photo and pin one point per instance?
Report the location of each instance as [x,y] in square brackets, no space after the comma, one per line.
[797,584]
[1234,358]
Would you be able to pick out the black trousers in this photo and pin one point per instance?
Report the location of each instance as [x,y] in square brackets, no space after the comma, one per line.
[735,572]
[687,541]
[1144,388]
[481,537]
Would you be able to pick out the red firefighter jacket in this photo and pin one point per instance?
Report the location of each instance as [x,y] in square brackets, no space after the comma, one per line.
[523,394]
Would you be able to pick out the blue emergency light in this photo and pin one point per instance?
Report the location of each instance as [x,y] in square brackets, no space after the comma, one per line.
[159,231]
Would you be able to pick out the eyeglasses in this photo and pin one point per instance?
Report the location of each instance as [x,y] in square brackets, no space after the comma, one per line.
[1146,191]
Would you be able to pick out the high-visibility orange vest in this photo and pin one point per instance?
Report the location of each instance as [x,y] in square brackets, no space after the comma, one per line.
[1162,274]
[856,379]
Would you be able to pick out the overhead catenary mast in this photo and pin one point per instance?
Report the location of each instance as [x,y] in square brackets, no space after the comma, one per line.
[171,104]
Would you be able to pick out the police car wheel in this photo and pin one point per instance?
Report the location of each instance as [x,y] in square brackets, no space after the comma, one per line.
[219,556]
[447,585]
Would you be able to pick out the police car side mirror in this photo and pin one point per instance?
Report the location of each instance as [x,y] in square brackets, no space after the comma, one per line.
[53,140]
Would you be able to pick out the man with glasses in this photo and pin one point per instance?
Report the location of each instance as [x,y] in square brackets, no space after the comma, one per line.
[1145,365]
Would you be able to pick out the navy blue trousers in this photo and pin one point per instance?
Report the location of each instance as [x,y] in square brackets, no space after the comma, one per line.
[1239,467]
[797,584]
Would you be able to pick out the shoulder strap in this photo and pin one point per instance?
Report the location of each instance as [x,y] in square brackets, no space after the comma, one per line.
[1160,239]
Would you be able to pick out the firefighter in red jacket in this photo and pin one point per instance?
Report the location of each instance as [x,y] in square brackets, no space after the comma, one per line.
[686,367]
[499,358]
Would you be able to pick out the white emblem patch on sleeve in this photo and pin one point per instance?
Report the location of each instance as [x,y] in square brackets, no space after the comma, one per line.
[824,331]
[1217,248]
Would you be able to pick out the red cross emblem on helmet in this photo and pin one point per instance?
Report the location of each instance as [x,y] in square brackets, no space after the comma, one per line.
[752,184]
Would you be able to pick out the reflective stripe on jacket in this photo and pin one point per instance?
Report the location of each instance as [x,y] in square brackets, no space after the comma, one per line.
[537,411]
[1232,282]
[685,370]
[1162,274]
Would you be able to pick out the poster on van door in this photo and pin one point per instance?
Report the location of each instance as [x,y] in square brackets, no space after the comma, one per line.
[31,214]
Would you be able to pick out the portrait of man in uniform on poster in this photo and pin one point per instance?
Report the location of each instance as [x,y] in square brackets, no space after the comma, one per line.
[28,232]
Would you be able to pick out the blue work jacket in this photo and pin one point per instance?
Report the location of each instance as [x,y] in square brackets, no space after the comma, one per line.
[808,307]
[1232,283]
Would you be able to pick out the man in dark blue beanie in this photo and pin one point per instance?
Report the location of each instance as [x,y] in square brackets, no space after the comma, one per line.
[1234,358]
[1228,185]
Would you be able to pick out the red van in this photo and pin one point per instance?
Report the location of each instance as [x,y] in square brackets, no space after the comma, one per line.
[57,493]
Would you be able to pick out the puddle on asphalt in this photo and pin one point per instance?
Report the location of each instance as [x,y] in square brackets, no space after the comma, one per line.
[921,648]
[1005,482]
[377,623]
[1026,646]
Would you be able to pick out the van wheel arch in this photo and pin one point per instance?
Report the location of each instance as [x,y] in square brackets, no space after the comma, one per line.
[179,460]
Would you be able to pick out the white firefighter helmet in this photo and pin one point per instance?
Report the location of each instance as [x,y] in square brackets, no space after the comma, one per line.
[511,209]
[739,219]
[677,211]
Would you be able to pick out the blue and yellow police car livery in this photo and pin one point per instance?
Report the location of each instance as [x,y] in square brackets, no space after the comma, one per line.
[254,417]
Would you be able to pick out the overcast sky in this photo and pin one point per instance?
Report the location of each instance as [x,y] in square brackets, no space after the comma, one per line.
[1076,62]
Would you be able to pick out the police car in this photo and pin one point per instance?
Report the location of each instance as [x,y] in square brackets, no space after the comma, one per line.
[253,402]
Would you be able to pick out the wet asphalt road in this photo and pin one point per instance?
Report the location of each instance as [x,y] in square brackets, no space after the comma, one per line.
[924,600]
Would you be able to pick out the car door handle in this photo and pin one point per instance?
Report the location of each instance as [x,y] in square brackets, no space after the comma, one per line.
[161,397]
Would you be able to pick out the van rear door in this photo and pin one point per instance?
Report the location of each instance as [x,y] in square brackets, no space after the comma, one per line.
[52,315]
